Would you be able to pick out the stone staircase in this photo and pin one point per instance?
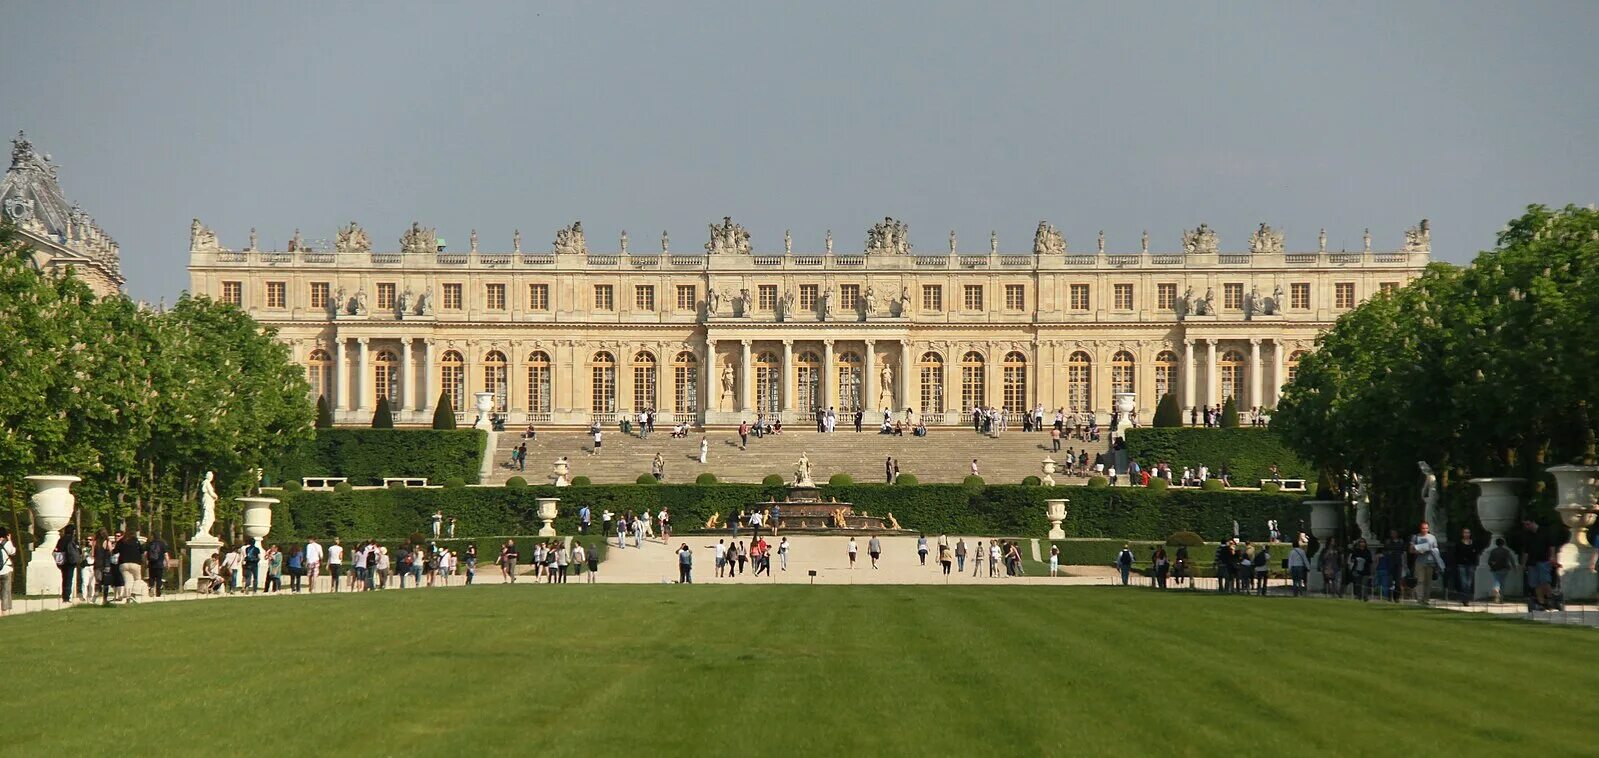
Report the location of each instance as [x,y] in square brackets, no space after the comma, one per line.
[945,455]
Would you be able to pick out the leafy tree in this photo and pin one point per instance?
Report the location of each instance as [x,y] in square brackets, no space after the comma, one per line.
[383,417]
[324,413]
[1229,414]
[443,414]
[1167,412]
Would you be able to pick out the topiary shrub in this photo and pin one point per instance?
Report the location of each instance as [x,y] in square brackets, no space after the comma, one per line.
[324,413]
[1229,414]
[1031,481]
[343,487]
[906,480]
[645,479]
[1157,484]
[1167,412]
[1098,482]
[1186,538]
[774,480]
[1213,485]
[1271,488]
[841,479]
[443,414]
[454,483]
[705,478]
[516,482]
[292,486]
[581,481]
[383,417]
[972,480]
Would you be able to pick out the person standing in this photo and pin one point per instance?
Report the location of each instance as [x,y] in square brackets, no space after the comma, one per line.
[593,559]
[274,559]
[313,563]
[658,467]
[438,523]
[471,562]
[960,555]
[508,557]
[977,559]
[1358,572]
[8,556]
[296,564]
[744,435]
[1124,563]
[156,554]
[888,469]
[974,467]
[665,520]
[1393,562]
[1536,556]
[685,565]
[853,550]
[1332,560]
[1499,559]
[874,548]
[993,558]
[1464,559]
[1298,569]
[1054,437]
[705,449]
[585,518]
[782,553]
[130,564]
[1054,557]
[1263,568]
[69,558]
[598,440]
[1424,546]
[858,416]
[719,556]
[335,563]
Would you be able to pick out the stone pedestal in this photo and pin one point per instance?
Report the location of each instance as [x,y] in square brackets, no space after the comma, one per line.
[1056,511]
[1497,508]
[485,406]
[1324,526]
[1125,403]
[485,469]
[547,515]
[1576,487]
[52,509]
[200,548]
[257,524]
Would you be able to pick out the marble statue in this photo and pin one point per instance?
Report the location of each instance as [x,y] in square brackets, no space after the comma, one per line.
[405,302]
[952,242]
[360,303]
[255,241]
[424,304]
[1431,513]
[1274,306]
[713,301]
[623,243]
[993,242]
[727,383]
[1266,240]
[352,239]
[569,240]
[1252,304]
[1321,241]
[666,242]
[1145,242]
[802,471]
[418,240]
[295,243]
[1363,508]
[472,241]
[338,303]
[788,303]
[788,242]
[827,304]
[1047,240]
[1365,240]
[746,304]
[202,239]
[1185,304]
[1201,240]
[1207,305]
[1102,242]
[208,509]
[1418,239]
[885,392]
[871,300]
[888,236]
[728,237]
[829,242]
[516,241]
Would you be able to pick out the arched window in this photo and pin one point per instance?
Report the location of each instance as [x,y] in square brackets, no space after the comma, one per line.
[974,382]
[807,383]
[539,388]
[1121,372]
[1165,373]
[1015,388]
[497,379]
[686,383]
[452,378]
[932,366]
[319,373]
[849,383]
[1079,382]
[1293,364]
[602,369]
[768,385]
[386,379]
[1232,377]
[644,374]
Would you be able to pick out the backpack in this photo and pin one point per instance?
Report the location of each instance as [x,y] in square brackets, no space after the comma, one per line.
[252,554]
[1499,559]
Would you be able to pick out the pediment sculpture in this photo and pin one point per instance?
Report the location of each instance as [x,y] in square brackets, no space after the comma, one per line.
[728,237]
[1266,240]
[569,240]
[419,239]
[1201,240]
[352,239]
[889,236]
[1048,240]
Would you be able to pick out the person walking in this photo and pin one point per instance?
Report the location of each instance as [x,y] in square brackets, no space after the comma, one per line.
[978,556]
[1358,569]
[658,467]
[974,467]
[1499,560]
[685,565]
[8,556]
[313,563]
[960,555]
[1054,560]
[888,469]
[296,566]
[874,548]
[705,449]
[274,559]
[1124,563]
[592,558]
[921,550]
[598,439]
[993,558]
[1464,554]
[471,562]
[945,558]
[69,558]
[1424,546]
[508,558]
[130,564]
[743,435]
[1332,560]
[1537,554]
[1298,569]
[720,556]
[782,553]
[853,550]
[335,563]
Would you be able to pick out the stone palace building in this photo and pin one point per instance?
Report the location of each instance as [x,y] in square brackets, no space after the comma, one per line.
[58,233]
[567,334]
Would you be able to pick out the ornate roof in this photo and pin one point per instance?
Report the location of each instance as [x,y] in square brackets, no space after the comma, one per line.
[31,197]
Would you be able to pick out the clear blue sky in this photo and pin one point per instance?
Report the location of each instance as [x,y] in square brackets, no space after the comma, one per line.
[810,116]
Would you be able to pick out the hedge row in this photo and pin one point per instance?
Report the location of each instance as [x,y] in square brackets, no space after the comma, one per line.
[1247,453]
[366,456]
[1011,510]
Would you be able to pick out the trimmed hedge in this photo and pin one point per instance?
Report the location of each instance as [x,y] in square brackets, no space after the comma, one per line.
[773,480]
[1014,510]
[366,456]
[1247,453]
[705,479]
[906,480]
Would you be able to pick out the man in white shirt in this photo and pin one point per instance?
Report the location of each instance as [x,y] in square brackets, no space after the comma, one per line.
[230,569]
[755,525]
[335,562]
[313,562]
[1425,547]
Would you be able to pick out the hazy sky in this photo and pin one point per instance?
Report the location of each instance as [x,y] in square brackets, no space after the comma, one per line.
[810,116]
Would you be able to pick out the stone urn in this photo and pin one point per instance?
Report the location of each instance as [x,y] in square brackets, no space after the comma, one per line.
[1576,487]
[52,509]
[1125,403]
[485,404]
[1049,472]
[547,515]
[1324,518]
[257,516]
[561,472]
[1055,510]
[1498,504]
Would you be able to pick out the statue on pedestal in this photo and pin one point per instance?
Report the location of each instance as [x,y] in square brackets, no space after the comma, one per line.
[713,301]
[516,241]
[405,300]
[727,385]
[472,241]
[788,242]
[666,242]
[802,471]
[1274,306]
[360,303]
[788,303]
[829,241]
[208,509]
[1145,242]
[424,304]
[1431,513]
[871,300]
[885,392]
[1363,508]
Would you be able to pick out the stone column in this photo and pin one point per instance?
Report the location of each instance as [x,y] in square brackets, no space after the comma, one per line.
[363,379]
[1254,373]
[869,381]
[713,378]
[341,374]
[1279,375]
[407,381]
[425,403]
[906,383]
[746,377]
[829,379]
[788,377]
[1212,386]
[1188,378]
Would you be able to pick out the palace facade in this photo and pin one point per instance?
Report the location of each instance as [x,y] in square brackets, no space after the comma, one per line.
[566,334]
[59,234]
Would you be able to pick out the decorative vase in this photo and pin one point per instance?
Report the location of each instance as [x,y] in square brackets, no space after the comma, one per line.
[257,516]
[1055,510]
[52,509]
[1575,490]
[485,404]
[1498,504]
[547,515]
[1125,402]
[562,472]
[1324,517]
[1049,472]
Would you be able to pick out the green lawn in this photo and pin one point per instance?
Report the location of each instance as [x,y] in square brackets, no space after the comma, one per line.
[607,670]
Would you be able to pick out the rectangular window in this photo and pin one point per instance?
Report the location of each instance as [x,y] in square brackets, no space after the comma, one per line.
[1299,296]
[687,297]
[603,299]
[275,294]
[319,294]
[538,297]
[385,296]
[1079,297]
[452,296]
[1165,296]
[644,297]
[768,297]
[232,293]
[1232,296]
[972,297]
[849,296]
[494,297]
[1388,286]
[1015,297]
[1122,294]
[808,294]
[1344,295]
[933,298]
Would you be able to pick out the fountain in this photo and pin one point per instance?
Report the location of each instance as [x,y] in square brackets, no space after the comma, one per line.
[804,509]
